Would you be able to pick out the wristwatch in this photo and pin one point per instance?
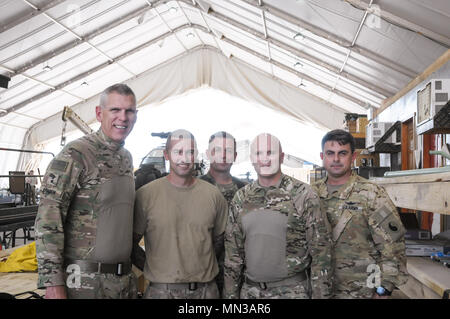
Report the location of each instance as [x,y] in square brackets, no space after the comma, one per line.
[381,291]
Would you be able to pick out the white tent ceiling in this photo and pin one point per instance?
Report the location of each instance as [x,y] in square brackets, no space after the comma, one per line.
[313,59]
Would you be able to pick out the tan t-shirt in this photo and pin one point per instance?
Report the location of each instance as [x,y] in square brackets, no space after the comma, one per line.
[178,225]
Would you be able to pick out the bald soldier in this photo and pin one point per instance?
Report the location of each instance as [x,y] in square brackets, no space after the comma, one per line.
[85,218]
[182,219]
[277,242]
[369,247]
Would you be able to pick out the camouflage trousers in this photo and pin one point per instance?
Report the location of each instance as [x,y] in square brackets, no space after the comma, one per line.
[207,291]
[220,276]
[351,285]
[101,286]
[296,290]
[342,291]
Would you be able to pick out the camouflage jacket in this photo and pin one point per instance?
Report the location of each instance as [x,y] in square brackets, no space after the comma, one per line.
[86,208]
[368,237]
[288,223]
[227,191]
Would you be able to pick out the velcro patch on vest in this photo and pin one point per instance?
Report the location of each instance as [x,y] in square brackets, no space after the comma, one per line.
[59,165]
[53,179]
[389,224]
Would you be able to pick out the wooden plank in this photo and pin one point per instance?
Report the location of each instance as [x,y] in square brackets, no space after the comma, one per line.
[425,178]
[414,289]
[430,197]
[430,273]
[416,81]
[427,192]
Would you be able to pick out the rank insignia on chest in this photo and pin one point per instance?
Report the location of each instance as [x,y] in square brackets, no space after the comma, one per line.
[350,206]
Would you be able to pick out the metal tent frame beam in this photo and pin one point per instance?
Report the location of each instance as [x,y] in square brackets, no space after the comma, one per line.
[210,13]
[263,37]
[297,73]
[194,49]
[88,37]
[37,11]
[155,40]
[89,72]
[386,15]
[296,52]
[332,37]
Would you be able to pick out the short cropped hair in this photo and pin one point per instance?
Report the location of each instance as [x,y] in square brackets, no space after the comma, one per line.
[119,88]
[222,134]
[179,134]
[273,139]
[340,136]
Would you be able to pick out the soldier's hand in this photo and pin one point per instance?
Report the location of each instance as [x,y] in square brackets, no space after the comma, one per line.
[55,292]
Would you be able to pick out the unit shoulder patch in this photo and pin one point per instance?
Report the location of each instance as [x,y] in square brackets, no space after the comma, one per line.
[59,165]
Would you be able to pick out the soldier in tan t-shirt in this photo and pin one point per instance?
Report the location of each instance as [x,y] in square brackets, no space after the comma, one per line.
[183,221]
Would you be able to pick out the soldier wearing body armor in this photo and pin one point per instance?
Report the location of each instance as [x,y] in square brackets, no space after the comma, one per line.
[182,219]
[368,236]
[221,154]
[277,242]
[85,218]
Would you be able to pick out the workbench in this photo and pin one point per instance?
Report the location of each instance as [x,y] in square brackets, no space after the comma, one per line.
[428,279]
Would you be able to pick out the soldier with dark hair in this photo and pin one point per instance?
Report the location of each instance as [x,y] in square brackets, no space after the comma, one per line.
[369,248]
[222,154]
[85,218]
[277,242]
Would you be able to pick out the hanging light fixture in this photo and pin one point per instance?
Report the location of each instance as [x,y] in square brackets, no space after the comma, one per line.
[299,36]
[298,65]
[301,84]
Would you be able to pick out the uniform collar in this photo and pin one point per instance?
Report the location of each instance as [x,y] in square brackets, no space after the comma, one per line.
[277,185]
[343,193]
[209,178]
[107,141]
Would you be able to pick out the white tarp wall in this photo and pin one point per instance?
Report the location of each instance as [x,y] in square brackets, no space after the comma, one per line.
[190,71]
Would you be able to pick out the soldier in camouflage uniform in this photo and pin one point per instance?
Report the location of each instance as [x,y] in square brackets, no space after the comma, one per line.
[369,247]
[277,241]
[85,218]
[222,154]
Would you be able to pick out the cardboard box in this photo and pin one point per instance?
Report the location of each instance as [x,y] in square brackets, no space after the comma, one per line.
[350,126]
[361,124]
